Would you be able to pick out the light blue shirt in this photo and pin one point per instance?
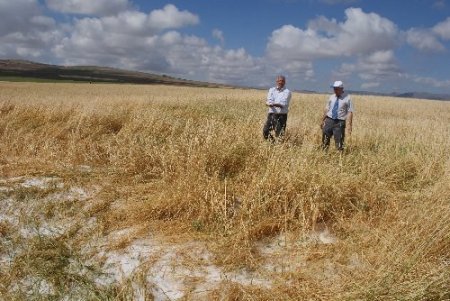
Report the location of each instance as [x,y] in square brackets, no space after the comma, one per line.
[344,106]
[282,97]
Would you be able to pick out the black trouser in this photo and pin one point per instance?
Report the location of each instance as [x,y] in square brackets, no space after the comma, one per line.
[336,128]
[275,122]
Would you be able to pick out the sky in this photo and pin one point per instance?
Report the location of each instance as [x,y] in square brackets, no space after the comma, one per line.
[371,45]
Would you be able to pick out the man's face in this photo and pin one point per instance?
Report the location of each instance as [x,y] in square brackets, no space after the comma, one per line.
[338,91]
[280,82]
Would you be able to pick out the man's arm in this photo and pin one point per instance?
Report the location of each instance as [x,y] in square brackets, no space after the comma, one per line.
[270,98]
[280,103]
[324,116]
[349,122]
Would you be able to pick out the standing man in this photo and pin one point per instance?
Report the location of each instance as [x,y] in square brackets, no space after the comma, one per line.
[337,116]
[278,100]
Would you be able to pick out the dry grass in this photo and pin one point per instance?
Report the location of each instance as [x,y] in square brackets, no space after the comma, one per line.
[190,163]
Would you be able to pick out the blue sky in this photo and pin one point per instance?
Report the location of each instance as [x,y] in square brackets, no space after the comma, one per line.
[371,45]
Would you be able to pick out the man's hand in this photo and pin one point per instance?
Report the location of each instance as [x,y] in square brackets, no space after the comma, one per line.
[349,122]
[322,124]
[349,128]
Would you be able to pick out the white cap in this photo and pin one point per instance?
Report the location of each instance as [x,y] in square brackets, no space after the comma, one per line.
[338,84]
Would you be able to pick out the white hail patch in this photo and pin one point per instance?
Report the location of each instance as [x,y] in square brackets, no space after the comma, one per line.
[165,270]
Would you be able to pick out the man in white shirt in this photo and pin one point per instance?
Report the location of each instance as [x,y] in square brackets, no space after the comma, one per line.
[337,116]
[278,99]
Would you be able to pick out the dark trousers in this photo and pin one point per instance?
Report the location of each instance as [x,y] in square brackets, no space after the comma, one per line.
[336,128]
[276,123]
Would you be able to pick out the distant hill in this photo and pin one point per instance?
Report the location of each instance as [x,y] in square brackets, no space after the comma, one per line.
[418,95]
[15,70]
[27,70]
[423,95]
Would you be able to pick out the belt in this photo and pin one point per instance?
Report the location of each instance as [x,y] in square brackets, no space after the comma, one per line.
[335,119]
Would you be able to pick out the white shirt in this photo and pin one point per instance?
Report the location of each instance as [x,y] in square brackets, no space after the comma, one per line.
[282,97]
[344,106]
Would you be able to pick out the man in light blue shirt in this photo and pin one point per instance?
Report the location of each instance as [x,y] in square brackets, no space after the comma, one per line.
[278,99]
[337,116]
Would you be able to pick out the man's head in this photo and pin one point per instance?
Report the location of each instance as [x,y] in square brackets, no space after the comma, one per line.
[338,87]
[281,81]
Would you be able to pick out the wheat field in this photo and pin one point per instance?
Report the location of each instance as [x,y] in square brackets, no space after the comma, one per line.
[183,177]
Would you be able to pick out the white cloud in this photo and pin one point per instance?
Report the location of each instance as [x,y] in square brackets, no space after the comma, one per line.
[89,7]
[423,40]
[123,39]
[364,33]
[230,66]
[370,85]
[292,43]
[374,68]
[429,39]
[24,31]
[431,81]
[193,56]
[439,4]
[136,23]
[333,2]
[299,69]
[15,15]
[116,34]
[218,34]
[324,26]
[361,33]
[442,29]
[139,41]
[171,17]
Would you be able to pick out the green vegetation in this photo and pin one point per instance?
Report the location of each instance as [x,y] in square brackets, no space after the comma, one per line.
[32,79]
[26,71]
